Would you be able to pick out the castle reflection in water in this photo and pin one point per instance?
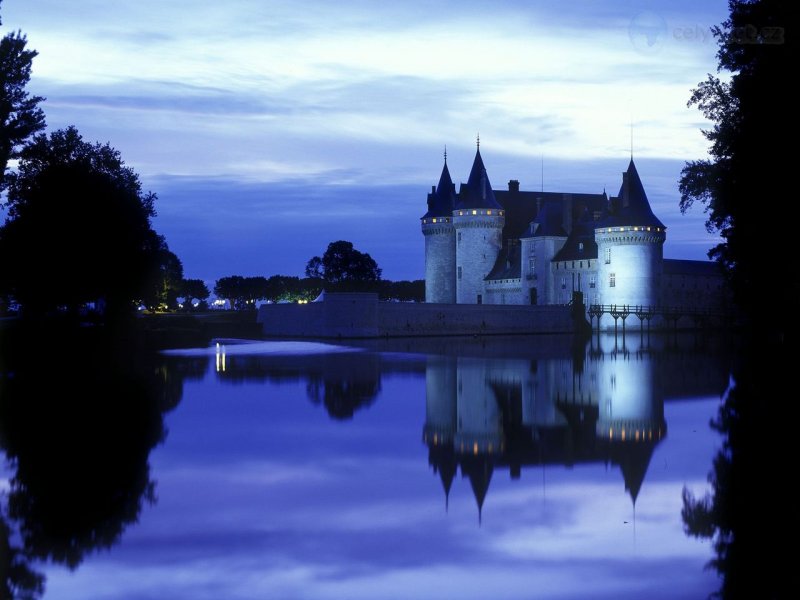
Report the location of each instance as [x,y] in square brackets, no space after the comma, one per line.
[515,402]
[601,405]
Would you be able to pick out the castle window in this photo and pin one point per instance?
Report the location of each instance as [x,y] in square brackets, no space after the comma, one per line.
[580,246]
[434,220]
[474,212]
[532,265]
[612,280]
[573,264]
[592,281]
[459,272]
[581,264]
[608,256]
[459,236]
[488,212]
[563,283]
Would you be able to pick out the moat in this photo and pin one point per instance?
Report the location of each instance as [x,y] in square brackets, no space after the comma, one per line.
[423,468]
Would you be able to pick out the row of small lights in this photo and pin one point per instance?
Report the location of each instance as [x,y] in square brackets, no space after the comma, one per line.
[611,229]
[636,435]
[461,214]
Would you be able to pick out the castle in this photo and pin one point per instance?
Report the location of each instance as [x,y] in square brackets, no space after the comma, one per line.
[486,246]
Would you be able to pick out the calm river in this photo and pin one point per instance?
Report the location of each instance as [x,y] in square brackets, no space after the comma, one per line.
[437,468]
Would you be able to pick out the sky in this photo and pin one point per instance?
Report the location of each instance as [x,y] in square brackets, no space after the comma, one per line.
[269,129]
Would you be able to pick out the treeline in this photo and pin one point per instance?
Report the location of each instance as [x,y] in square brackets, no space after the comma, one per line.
[243,293]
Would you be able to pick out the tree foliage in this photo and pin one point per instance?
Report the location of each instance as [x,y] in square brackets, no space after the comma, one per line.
[241,292]
[194,289]
[343,263]
[744,183]
[78,228]
[744,186]
[20,115]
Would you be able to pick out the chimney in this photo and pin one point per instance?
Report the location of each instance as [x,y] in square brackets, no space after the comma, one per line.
[626,200]
[567,215]
[513,185]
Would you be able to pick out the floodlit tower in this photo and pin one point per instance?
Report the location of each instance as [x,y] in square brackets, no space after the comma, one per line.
[440,241]
[478,221]
[630,241]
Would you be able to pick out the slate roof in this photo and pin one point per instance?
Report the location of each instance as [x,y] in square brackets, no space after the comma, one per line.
[443,199]
[477,193]
[580,244]
[508,264]
[631,207]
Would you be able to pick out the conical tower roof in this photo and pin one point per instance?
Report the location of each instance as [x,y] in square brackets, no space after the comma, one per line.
[478,191]
[442,201]
[631,207]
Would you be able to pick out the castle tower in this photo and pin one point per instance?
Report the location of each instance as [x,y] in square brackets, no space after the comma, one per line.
[630,242]
[478,221]
[440,241]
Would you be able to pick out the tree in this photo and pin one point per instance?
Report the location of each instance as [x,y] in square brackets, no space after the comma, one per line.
[166,280]
[746,181]
[20,115]
[343,263]
[242,292]
[748,199]
[78,228]
[194,289]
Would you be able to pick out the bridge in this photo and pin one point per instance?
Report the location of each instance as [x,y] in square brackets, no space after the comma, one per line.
[671,314]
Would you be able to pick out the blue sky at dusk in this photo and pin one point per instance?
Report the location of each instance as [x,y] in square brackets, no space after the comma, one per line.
[269,129]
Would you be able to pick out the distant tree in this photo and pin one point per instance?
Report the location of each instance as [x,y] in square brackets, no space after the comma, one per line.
[20,115]
[194,289]
[166,280]
[404,291]
[314,268]
[78,228]
[343,263]
[241,292]
[745,183]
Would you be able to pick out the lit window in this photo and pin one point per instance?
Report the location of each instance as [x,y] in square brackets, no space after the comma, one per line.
[461,213]
[474,212]
[488,212]
[636,229]
[612,280]
[434,220]
[580,246]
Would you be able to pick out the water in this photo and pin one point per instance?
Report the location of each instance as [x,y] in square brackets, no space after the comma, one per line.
[513,468]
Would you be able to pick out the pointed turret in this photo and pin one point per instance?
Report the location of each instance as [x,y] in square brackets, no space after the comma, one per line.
[479,470]
[442,198]
[631,207]
[477,193]
[440,250]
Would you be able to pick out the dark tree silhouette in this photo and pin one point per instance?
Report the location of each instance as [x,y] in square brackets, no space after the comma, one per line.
[745,187]
[242,292]
[194,289]
[78,228]
[20,115]
[745,183]
[343,263]
[166,280]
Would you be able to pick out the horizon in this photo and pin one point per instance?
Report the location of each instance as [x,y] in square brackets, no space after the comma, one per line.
[273,130]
